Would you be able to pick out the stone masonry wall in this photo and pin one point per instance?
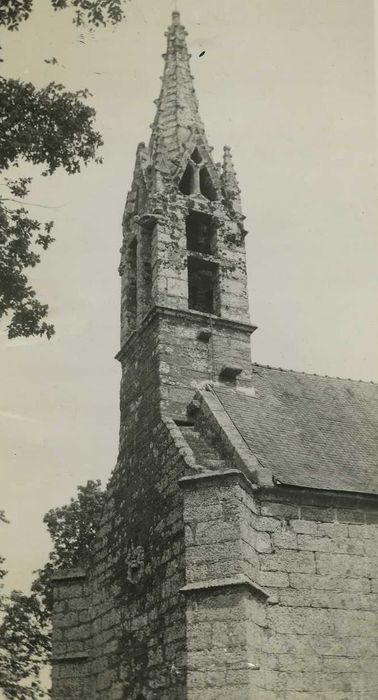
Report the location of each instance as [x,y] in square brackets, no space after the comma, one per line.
[71,632]
[321,572]
[135,634]
[226,609]
[187,361]
[307,627]
[170,255]
[133,642]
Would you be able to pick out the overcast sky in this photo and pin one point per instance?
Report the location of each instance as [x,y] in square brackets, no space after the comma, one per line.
[289,85]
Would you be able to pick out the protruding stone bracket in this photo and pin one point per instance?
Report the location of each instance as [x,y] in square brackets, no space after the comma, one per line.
[204,335]
[235,582]
[146,221]
[229,374]
[227,475]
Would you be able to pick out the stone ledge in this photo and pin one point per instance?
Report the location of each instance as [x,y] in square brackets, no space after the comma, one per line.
[70,658]
[69,575]
[302,495]
[230,475]
[228,582]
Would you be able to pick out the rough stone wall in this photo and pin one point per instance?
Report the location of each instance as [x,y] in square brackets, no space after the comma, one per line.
[133,644]
[188,361]
[71,632]
[135,637]
[320,570]
[143,542]
[226,609]
[208,588]
[308,626]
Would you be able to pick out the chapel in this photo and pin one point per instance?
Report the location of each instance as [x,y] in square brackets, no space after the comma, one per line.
[237,557]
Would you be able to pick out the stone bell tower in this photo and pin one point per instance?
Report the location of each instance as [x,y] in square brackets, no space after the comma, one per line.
[183,257]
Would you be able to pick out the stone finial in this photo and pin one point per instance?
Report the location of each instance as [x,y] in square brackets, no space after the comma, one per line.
[176,19]
[229,180]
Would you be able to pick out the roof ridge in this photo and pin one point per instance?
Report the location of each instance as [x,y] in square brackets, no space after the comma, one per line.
[314,374]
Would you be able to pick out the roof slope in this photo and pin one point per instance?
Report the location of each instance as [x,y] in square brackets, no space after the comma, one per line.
[310,431]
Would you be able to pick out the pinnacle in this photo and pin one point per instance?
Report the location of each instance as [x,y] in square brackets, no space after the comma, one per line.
[229,180]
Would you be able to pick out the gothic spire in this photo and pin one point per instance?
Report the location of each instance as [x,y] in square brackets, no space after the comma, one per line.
[177,127]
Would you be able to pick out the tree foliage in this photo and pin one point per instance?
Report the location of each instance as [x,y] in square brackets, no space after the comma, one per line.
[54,128]
[25,631]
[96,12]
[50,127]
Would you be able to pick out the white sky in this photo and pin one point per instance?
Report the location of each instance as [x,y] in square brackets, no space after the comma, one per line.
[289,84]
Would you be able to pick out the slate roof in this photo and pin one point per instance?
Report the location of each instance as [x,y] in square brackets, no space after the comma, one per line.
[310,431]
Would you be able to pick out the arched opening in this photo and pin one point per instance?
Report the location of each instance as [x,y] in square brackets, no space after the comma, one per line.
[200,233]
[196,178]
[185,185]
[206,186]
[196,156]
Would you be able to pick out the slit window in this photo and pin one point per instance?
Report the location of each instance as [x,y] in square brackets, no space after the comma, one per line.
[132,286]
[200,233]
[145,274]
[203,285]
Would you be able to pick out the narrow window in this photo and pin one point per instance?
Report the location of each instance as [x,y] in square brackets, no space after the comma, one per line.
[206,186]
[131,286]
[144,275]
[200,233]
[202,285]
[186,184]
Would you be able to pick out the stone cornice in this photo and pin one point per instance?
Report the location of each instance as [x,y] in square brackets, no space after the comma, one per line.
[71,575]
[228,583]
[289,493]
[198,317]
